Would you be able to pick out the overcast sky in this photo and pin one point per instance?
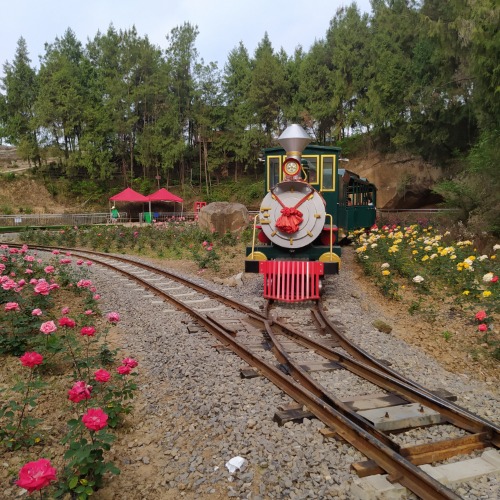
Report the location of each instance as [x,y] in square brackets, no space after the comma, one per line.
[222,24]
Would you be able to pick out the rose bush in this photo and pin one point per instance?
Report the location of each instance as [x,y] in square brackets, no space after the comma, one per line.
[47,348]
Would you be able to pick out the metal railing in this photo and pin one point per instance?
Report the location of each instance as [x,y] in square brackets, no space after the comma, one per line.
[54,219]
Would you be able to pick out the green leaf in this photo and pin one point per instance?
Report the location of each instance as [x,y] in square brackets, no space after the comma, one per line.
[73,482]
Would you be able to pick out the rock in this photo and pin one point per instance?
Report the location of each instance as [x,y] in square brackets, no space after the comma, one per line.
[382,326]
[236,280]
[223,217]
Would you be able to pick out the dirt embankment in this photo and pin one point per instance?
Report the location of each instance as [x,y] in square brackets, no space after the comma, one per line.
[25,195]
[402,180]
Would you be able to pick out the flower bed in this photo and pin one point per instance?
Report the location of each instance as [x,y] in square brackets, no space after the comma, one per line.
[428,266]
[64,395]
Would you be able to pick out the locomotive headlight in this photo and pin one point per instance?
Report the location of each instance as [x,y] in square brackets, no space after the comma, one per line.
[291,167]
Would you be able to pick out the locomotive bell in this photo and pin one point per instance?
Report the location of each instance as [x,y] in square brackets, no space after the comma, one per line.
[294,140]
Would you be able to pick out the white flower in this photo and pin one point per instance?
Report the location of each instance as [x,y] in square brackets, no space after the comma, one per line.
[418,279]
[469,261]
[482,257]
[385,265]
[433,256]
[374,245]
[496,247]
[488,277]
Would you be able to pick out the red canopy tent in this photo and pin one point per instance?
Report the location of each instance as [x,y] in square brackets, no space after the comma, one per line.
[130,195]
[163,195]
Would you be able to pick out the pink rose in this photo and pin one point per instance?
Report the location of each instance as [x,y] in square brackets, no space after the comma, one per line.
[494,279]
[113,317]
[31,359]
[102,375]
[56,252]
[36,312]
[482,327]
[42,288]
[124,370]
[79,262]
[84,284]
[481,315]
[130,362]
[12,306]
[34,476]
[88,331]
[48,327]
[89,312]
[95,419]
[96,296]
[67,322]
[49,269]
[8,284]
[64,311]
[79,392]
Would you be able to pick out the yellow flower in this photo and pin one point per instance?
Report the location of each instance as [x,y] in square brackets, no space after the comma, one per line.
[465,292]
[453,257]
[493,257]
[472,257]
[425,257]
[386,272]
[486,293]
[415,252]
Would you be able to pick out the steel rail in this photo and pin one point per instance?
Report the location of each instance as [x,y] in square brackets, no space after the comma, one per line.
[361,355]
[451,412]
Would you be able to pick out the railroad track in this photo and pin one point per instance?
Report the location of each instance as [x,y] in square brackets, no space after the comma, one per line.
[292,360]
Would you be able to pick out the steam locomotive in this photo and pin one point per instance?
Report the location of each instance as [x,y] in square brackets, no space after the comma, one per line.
[308,201]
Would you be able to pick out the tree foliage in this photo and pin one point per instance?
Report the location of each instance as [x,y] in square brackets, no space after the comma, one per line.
[419,75]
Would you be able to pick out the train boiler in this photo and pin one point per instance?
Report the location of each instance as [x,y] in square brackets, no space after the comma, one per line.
[308,198]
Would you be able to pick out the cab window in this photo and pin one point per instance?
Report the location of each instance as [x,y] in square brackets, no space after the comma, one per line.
[310,169]
[274,168]
[328,179]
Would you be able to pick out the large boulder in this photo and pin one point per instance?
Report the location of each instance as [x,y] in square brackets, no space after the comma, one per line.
[222,217]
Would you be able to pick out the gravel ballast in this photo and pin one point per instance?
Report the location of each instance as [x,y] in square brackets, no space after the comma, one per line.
[194,412]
